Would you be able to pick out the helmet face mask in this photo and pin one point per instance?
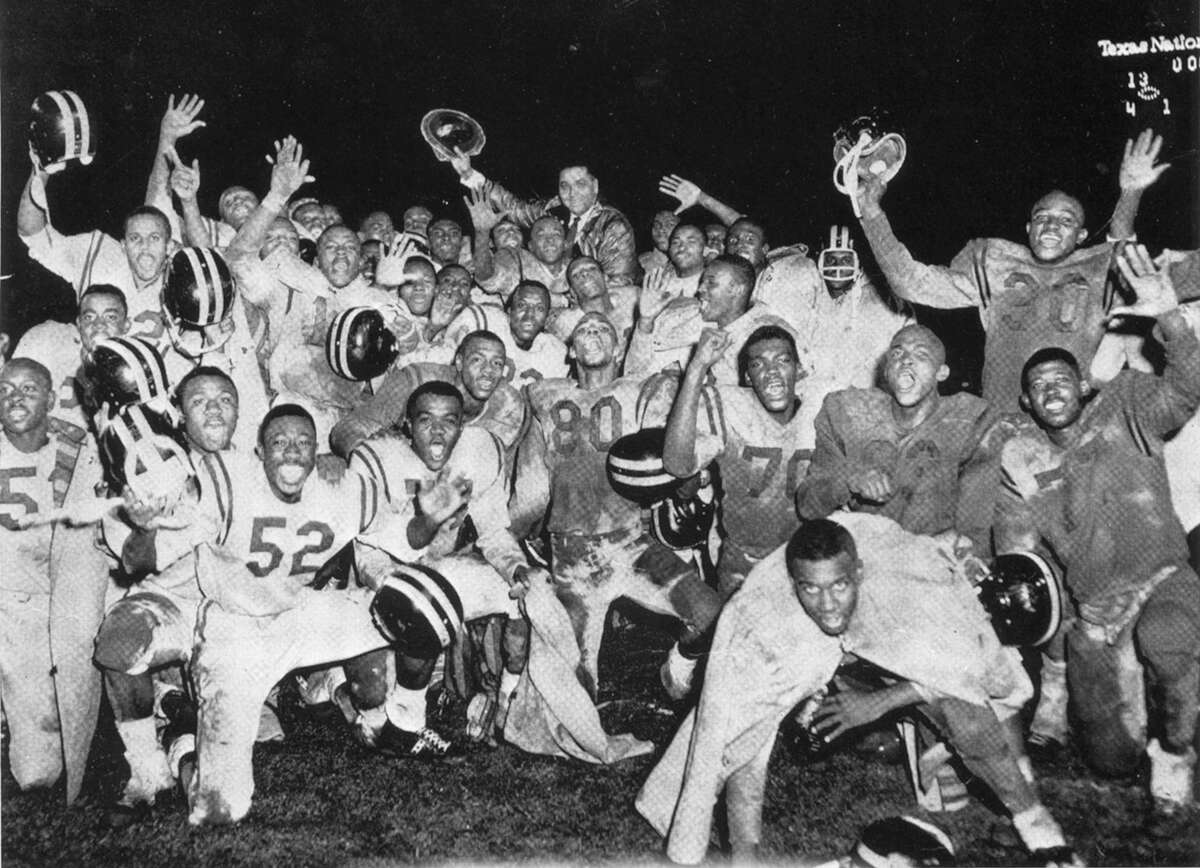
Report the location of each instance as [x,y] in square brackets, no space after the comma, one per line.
[141,450]
[838,262]
[197,301]
[61,131]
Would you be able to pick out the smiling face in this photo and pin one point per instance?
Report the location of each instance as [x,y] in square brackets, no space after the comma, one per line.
[480,363]
[527,312]
[445,241]
[235,205]
[722,294]
[771,369]
[749,241]
[338,255]
[418,290]
[577,189]
[210,412]
[281,234]
[1055,227]
[686,250]
[586,279]
[311,216]
[914,364]
[827,590]
[1054,394]
[147,237]
[100,316]
[436,424]
[506,235]
[289,453]
[377,226]
[26,396]
[417,219]
[547,240]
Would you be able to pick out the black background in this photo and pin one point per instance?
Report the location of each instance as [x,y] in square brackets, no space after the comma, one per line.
[998,101]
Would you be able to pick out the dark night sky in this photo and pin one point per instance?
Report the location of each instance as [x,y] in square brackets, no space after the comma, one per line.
[999,101]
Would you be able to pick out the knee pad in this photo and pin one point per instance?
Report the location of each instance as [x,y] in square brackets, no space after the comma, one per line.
[139,632]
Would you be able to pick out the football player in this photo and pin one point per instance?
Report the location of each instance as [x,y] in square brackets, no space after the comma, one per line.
[499,273]
[63,347]
[1086,476]
[660,235]
[478,372]
[38,461]
[440,447]
[895,451]
[600,550]
[531,353]
[1050,293]
[590,293]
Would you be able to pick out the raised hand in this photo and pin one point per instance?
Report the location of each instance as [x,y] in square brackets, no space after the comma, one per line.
[654,295]
[870,193]
[1153,286]
[1138,169]
[484,215]
[460,162]
[185,180]
[290,171]
[710,348]
[444,497]
[682,189]
[180,120]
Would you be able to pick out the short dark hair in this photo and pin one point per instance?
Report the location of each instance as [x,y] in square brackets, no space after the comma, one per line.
[1049,354]
[40,370]
[687,225]
[203,371]
[745,271]
[476,335]
[105,289]
[280,411]
[768,332]
[147,211]
[820,539]
[536,284]
[437,388]
[758,224]
[329,229]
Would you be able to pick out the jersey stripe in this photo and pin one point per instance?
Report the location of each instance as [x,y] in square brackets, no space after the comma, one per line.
[374,466]
[720,408]
[222,491]
[89,261]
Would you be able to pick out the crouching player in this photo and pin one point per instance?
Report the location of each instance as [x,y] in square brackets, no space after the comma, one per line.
[860,589]
[263,529]
[468,563]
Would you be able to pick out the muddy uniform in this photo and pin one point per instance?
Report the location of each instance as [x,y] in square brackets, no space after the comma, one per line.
[513,266]
[1024,304]
[262,616]
[57,346]
[30,483]
[1104,507]
[482,583]
[761,462]
[502,415]
[600,550]
[856,430]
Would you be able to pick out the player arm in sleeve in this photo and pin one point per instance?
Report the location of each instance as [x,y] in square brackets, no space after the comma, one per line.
[825,487]
[931,285]
[289,174]
[1015,525]
[683,455]
[489,513]
[690,194]
[531,482]
[380,411]
[617,252]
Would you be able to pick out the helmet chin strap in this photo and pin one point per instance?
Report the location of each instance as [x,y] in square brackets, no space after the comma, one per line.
[845,171]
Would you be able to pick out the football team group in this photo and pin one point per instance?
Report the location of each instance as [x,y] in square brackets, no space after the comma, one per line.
[409,458]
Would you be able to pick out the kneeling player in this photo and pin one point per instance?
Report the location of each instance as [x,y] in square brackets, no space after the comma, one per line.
[460,469]
[821,597]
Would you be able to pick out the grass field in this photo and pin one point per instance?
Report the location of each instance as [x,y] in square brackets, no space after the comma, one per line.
[323,800]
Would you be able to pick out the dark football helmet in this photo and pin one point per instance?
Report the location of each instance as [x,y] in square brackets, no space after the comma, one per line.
[143,449]
[125,371]
[635,467]
[61,130]
[418,610]
[359,346]
[1022,597]
[684,522]
[198,293]
[915,842]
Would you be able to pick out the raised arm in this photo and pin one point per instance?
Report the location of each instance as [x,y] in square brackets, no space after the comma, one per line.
[185,183]
[178,121]
[33,214]
[653,299]
[689,194]
[679,449]
[931,285]
[523,212]
[1139,169]
[289,174]
[484,217]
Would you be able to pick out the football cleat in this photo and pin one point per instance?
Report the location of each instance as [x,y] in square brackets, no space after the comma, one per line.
[424,744]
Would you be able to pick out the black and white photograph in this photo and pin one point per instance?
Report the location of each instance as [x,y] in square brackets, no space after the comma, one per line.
[599,432]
